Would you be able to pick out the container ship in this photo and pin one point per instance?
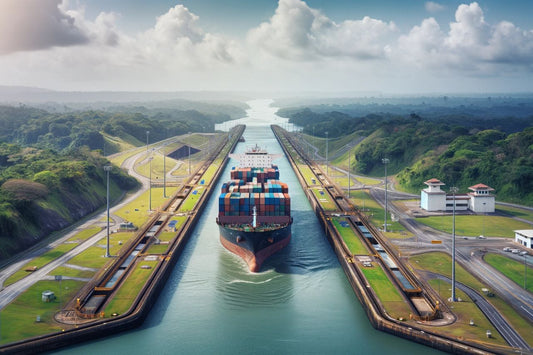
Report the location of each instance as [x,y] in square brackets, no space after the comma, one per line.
[254,215]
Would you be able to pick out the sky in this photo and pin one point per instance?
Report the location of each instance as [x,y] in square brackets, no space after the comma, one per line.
[285,46]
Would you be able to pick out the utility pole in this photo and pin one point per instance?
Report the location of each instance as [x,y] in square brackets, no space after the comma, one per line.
[453,190]
[150,198]
[525,272]
[327,148]
[164,172]
[349,174]
[107,169]
[385,162]
[147,135]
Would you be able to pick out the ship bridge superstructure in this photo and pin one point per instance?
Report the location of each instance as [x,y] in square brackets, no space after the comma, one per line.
[255,157]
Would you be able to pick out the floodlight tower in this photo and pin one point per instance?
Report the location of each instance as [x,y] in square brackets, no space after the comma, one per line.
[453,190]
[327,148]
[150,197]
[107,169]
[385,162]
[147,135]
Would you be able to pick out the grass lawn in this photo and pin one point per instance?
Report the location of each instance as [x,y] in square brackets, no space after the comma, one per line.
[388,294]
[71,272]
[512,269]
[191,200]
[441,263]
[515,212]
[210,173]
[368,181]
[324,199]
[351,239]
[159,164]
[93,257]
[157,249]
[130,288]
[376,214]
[474,225]
[308,174]
[137,210]
[18,319]
[119,159]
[85,234]
[40,261]
[465,311]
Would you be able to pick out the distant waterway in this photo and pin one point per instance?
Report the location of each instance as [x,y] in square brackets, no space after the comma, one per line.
[300,303]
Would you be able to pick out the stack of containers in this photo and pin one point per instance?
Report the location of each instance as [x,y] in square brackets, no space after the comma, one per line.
[257,187]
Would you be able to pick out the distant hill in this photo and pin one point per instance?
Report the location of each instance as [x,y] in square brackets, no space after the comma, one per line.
[460,149]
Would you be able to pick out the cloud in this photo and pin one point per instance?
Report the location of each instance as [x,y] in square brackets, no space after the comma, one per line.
[28,25]
[433,7]
[298,32]
[471,43]
[176,38]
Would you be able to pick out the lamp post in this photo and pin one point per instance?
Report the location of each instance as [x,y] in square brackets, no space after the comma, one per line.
[483,221]
[147,135]
[453,190]
[525,272]
[385,162]
[327,148]
[150,194]
[349,166]
[164,172]
[189,157]
[107,169]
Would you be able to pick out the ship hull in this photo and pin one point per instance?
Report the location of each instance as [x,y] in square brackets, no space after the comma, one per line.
[255,247]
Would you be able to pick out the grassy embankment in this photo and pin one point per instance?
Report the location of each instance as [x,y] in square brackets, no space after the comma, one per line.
[475,225]
[466,310]
[512,269]
[19,319]
[128,291]
[376,214]
[41,260]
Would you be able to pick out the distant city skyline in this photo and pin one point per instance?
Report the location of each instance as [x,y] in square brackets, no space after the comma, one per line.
[392,47]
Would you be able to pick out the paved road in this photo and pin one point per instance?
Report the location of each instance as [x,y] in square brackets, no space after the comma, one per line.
[505,329]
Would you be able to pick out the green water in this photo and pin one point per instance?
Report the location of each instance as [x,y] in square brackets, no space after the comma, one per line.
[300,303]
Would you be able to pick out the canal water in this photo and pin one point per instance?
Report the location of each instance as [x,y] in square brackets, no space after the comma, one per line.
[300,302]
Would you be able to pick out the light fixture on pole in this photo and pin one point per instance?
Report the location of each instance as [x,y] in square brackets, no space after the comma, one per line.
[453,190]
[525,272]
[189,157]
[147,135]
[150,198]
[349,178]
[164,172]
[107,169]
[327,148]
[385,162]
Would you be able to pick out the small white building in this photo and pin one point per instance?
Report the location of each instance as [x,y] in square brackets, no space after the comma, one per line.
[481,199]
[523,237]
[432,198]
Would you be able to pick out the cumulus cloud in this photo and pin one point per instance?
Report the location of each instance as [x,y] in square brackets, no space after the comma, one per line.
[299,32]
[433,7]
[36,24]
[470,43]
[177,38]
